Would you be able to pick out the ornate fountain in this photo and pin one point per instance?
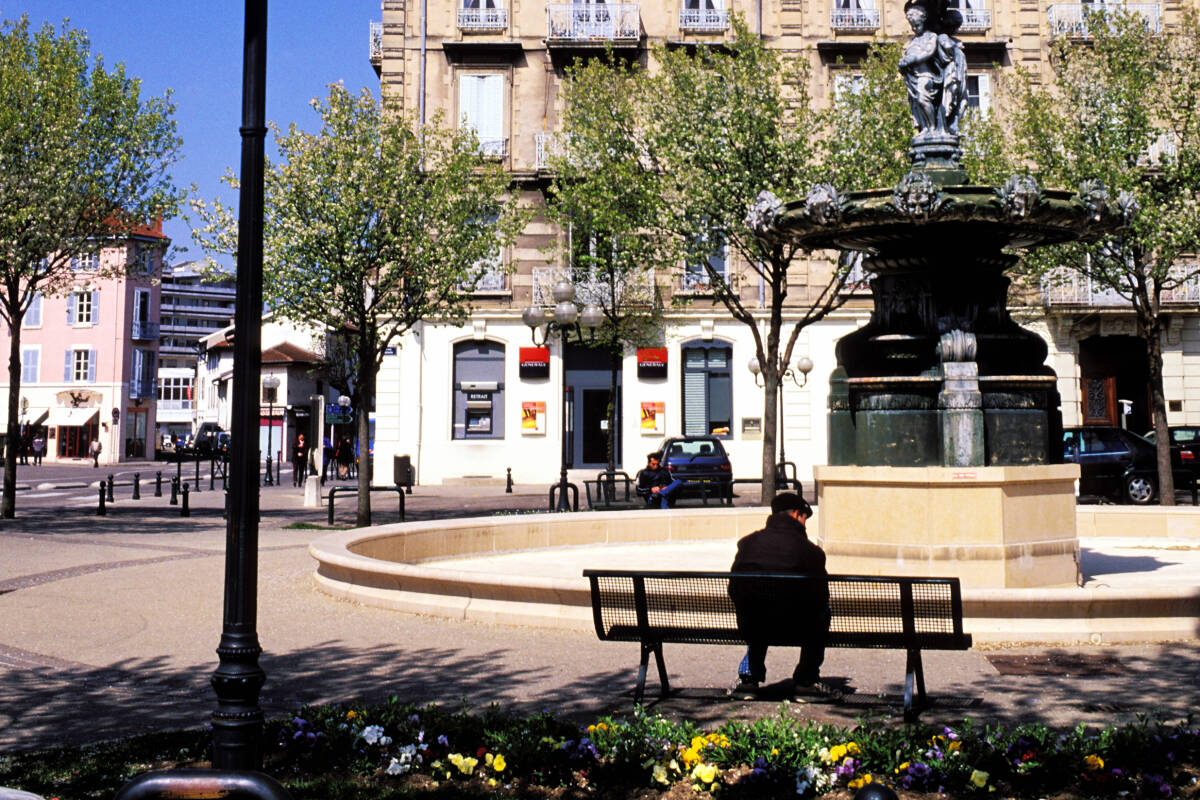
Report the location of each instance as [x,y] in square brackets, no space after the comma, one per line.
[942,378]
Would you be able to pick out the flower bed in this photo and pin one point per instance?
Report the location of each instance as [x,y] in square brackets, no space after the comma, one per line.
[397,750]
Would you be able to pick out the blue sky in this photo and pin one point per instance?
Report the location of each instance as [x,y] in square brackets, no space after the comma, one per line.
[194,47]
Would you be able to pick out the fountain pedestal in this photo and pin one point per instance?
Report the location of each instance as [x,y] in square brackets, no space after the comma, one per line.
[992,527]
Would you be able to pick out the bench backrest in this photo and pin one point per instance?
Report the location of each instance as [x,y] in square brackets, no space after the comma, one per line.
[694,607]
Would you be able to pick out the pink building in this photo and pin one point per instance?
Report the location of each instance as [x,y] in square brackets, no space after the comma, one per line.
[88,355]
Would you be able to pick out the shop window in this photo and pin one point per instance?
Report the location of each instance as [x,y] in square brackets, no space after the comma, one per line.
[707,390]
[478,390]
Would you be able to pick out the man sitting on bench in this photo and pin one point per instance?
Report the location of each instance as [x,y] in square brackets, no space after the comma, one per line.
[763,606]
[656,484]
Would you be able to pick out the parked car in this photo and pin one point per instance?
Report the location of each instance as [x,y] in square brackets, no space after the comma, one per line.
[206,443]
[1186,440]
[697,458]
[1117,464]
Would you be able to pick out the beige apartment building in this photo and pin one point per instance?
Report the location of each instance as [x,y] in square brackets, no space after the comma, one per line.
[473,401]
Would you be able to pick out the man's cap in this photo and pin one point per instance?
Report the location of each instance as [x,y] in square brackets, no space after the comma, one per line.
[790,501]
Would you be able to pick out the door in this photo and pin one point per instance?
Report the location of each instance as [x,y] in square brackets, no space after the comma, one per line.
[135,430]
[595,428]
[589,377]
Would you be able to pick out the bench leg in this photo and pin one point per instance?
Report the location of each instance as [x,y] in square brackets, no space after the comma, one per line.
[647,649]
[913,675]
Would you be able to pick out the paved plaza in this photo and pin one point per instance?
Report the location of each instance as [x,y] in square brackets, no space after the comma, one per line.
[110,626]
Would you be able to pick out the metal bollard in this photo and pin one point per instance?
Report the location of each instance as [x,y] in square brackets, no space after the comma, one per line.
[101,511]
[137,486]
[174,491]
[212,473]
[197,474]
[110,487]
[184,511]
[158,484]
[508,482]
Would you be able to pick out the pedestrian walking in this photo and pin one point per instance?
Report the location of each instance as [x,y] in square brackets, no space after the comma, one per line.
[299,461]
[95,449]
[39,447]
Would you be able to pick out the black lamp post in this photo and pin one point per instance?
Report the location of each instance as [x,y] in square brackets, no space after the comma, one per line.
[803,365]
[270,385]
[566,319]
[238,719]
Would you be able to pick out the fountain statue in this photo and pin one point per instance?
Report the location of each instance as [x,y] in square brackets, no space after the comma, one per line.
[941,376]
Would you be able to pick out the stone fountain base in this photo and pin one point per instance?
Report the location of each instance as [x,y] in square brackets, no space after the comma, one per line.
[992,527]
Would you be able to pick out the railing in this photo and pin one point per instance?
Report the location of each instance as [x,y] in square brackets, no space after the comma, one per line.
[176,405]
[376,42]
[632,290]
[490,279]
[698,281]
[1073,19]
[854,19]
[975,19]
[601,22]
[483,19]
[493,148]
[703,19]
[1069,287]
[548,145]
[143,331]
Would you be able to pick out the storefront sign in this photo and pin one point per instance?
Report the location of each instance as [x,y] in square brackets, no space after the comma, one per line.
[654,419]
[534,362]
[652,362]
[533,418]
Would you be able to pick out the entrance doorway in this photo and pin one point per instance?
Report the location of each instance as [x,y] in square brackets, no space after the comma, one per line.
[589,378]
[1112,369]
[75,440]
[135,429]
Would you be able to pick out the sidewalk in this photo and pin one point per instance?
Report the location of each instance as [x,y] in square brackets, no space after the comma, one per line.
[111,625]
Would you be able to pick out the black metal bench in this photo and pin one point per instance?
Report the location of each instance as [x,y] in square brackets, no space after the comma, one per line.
[354,491]
[877,612]
[616,491]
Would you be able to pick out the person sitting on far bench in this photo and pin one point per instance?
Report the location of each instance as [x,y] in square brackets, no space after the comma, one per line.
[656,484]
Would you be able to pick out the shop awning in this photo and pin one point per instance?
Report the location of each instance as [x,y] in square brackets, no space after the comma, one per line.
[71,417]
[35,416]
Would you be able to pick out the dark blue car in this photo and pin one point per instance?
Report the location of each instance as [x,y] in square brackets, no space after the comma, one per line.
[698,460]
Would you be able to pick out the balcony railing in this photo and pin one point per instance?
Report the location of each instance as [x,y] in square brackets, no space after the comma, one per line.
[143,331]
[854,19]
[376,42]
[633,290]
[548,145]
[490,279]
[975,19]
[703,19]
[493,148]
[601,22]
[1068,287]
[175,405]
[483,19]
[1073,19]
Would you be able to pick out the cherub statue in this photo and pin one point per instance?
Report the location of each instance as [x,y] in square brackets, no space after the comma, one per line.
[923,66]
[954,74]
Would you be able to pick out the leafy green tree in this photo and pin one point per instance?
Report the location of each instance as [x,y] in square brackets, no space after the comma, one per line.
[84,160]
[721,135]
[1122,109]
[607,200]
[373,225]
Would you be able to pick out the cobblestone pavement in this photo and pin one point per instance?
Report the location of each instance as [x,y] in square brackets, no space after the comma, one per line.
[110,626]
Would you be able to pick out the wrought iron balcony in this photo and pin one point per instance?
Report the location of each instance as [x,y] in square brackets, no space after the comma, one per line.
[548,145]
[601,22]
[854,19]
[495,149]
[975,19]
[483,19]
[703,19]
[376,42]
[1066,287]
[1074,19]
[144,331]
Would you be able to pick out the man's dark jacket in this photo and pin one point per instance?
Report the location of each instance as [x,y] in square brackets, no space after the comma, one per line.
[648,478]
[771,610]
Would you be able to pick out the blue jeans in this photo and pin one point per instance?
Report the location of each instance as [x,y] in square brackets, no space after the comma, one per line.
[665,495]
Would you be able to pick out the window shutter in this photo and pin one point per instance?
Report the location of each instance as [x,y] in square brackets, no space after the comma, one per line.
[695,390]
[95,306]
[137,306]
[468,100]
[71,309]
[67,367]
[91,366]
[136,379]
[33,314]
[985,95]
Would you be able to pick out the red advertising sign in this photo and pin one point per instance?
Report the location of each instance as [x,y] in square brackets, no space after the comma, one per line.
[534,362]
[652,362]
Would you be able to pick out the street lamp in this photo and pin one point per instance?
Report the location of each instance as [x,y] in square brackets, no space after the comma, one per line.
[803,366]
[566,319]
[270,383]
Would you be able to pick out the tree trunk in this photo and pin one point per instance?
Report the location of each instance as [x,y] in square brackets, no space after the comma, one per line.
[366,395]
[614,356]
[769,424]
[8,504]
[1158,410]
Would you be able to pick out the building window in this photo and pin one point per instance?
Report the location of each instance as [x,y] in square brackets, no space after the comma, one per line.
[481,108]
[175,393]
[33,314]
[854,15]
[83,308]
[143,259]
[141,382]
[703,15]
[80,366]
[707,390]
[85,261]
[482,15]
[709,252]
[487,275]
[979,93]
[30,358]
[478,390]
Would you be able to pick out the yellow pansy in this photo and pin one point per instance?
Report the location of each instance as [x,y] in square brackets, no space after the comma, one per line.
[705,773]
[352,714]
[498,763]
[901,768]
[979,778]
[858,783]
[1093,762]
[659,773]
[954,747]
[852,749]
[690,757]
[837,752]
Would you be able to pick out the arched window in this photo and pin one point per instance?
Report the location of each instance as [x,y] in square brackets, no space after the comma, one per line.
[478,390]
[707,389]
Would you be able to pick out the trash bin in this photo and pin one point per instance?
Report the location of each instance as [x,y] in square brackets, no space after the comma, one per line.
[402,474]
